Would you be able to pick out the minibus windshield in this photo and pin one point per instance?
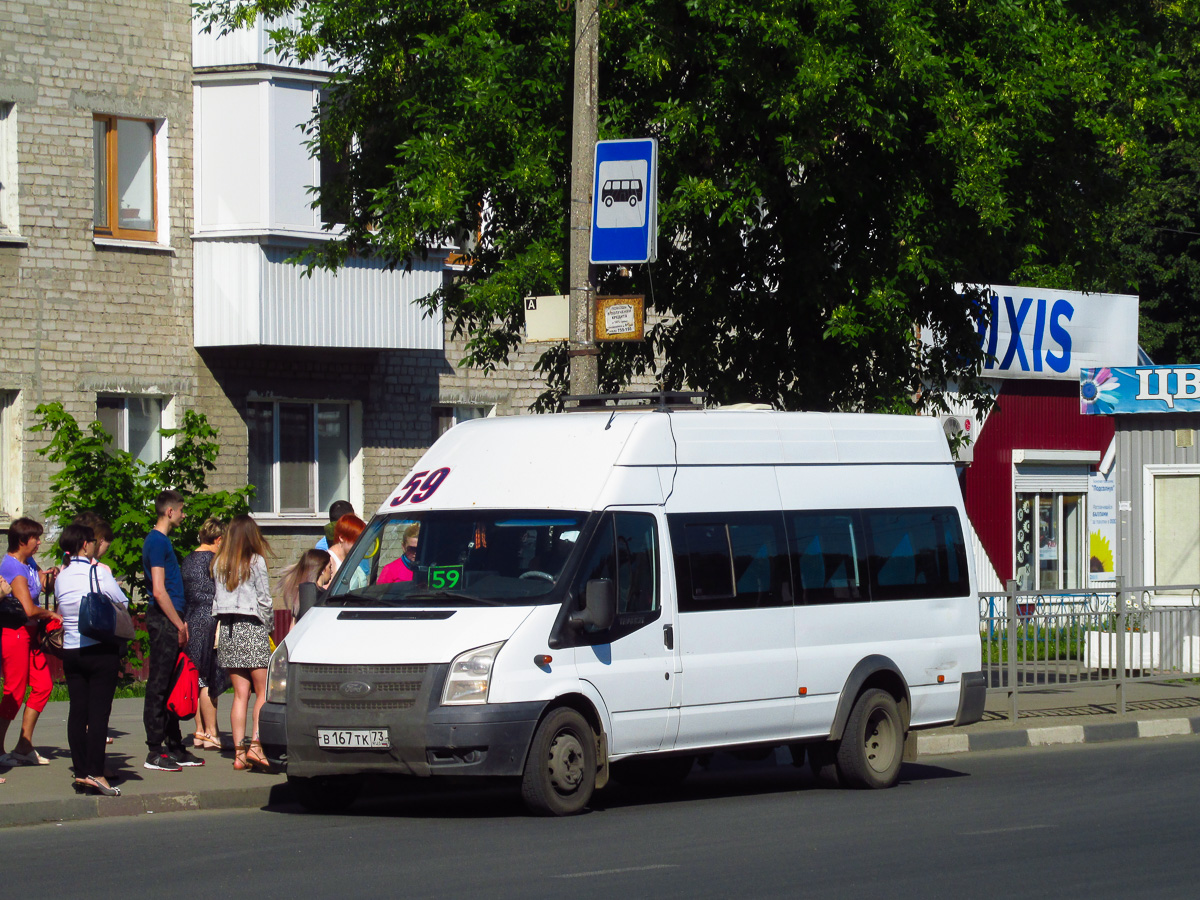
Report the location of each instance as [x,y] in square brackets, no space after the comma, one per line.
[457,558]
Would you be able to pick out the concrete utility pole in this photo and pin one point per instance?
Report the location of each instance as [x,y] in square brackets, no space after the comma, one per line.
[584,372]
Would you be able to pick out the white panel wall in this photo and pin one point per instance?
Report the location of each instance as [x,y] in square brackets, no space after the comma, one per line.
[226,308]
[246,294]
[246,46]
[230,189]
[292,169]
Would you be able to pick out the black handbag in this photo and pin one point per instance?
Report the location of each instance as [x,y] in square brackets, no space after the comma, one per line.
[12,613]
[101,618]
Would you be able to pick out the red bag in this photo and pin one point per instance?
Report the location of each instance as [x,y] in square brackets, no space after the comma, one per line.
[185,688]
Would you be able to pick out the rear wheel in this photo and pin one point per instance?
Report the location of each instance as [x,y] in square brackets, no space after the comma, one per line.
[560,772]
[326,793]
[872,745]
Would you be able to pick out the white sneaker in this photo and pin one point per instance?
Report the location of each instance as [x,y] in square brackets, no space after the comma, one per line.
[32,758]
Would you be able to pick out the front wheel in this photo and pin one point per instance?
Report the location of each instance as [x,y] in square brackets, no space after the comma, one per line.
[560,772]
[326,793]
[872,745]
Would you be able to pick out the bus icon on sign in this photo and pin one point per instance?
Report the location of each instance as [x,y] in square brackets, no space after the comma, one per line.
[621,191]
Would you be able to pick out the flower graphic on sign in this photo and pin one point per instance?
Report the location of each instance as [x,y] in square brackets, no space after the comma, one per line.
[1100,554]
[1097,391]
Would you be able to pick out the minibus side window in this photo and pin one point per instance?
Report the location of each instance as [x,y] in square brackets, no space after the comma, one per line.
[916,553]
[828,557]
[730,561]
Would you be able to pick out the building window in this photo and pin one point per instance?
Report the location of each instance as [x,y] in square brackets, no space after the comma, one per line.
[446,417]
[9,223]
[10,456]
[125,203]
[299,456]
[133,423]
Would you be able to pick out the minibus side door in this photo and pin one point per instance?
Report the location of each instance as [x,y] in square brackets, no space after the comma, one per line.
[632,664]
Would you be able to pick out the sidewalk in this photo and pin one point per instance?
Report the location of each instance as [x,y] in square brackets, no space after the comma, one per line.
[36,794]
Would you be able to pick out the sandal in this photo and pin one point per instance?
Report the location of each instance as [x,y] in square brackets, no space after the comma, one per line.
[239,759]
[256,758]
[202,740]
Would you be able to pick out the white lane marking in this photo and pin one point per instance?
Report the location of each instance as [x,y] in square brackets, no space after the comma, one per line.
[615,871]
[1007,830]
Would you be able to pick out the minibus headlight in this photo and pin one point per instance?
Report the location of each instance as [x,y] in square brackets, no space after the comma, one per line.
[470,676]
[277,676]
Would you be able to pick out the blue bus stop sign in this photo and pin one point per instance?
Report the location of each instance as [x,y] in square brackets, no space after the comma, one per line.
[625,202]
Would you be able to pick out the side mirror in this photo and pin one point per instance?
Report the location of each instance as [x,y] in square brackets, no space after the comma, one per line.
[600,605]
[308,598]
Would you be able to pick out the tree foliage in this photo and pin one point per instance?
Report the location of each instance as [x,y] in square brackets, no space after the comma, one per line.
[93,475]
[830,170]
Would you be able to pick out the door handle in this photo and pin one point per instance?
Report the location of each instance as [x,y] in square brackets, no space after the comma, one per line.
[669,637]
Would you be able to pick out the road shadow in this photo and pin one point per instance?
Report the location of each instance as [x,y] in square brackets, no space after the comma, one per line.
[448,799]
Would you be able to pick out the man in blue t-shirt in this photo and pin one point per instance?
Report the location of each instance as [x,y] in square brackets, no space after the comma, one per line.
[337,509]
[168,634]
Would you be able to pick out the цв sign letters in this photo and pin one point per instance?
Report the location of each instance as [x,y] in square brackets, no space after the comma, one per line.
[625,202]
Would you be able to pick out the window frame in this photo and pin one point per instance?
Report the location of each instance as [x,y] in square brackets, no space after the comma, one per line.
[1151,471]
[10,454]
[112,160]
[353,449]
[778,594]
[121,440]
[10,207]
[437,416]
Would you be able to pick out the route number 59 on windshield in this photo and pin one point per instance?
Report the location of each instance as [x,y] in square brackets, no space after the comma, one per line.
[420,486]
[444,577]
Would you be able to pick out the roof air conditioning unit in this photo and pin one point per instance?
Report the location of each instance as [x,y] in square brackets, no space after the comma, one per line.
[963,429]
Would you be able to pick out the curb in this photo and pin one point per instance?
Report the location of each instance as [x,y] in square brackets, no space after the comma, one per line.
[945,744]
[79,809]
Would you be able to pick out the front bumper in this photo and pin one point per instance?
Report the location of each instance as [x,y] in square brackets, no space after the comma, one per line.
[972,693]
[425,738]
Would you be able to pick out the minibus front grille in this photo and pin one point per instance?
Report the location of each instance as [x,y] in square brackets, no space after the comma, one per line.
[358,688]
[359,704]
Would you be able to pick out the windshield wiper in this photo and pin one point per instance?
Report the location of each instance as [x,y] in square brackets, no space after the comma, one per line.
[353,598]
[452,595]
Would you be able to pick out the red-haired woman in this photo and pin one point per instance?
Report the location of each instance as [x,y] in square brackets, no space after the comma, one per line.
[243,609]
[345,533]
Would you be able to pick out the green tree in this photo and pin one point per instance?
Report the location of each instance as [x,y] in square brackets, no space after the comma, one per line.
[829,169]
[93,475]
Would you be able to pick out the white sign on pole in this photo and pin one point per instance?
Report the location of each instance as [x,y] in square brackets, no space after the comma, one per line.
[547,318]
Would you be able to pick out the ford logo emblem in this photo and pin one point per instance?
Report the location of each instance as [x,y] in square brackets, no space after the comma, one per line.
[355,688]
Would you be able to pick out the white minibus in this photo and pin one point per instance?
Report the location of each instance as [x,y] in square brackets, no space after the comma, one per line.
[559,598]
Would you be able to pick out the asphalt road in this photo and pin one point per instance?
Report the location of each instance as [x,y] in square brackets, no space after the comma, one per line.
[1095,821]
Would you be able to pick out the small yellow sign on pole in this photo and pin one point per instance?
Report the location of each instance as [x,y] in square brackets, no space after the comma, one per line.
[621,318]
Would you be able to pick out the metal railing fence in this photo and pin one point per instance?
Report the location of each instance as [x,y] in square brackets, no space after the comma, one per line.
[1114,636]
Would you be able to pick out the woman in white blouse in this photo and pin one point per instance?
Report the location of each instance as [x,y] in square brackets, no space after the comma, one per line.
[91,667]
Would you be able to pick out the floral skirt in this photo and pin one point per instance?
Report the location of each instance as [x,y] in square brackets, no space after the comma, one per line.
[243,642]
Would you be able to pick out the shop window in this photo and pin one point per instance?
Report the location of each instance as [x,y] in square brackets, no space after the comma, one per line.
[446,417]
[299,456]
[1051,541]
[1176,527]
[125,201]
[133,423]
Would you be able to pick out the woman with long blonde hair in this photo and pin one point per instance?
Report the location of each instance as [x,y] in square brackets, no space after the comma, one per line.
[244,613]
[314,566]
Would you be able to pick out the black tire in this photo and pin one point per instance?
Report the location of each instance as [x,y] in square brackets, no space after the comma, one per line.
[560,771]
[326,793]
[822,759]
[872,745]
[653,772]
[633,201]
[608,201]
